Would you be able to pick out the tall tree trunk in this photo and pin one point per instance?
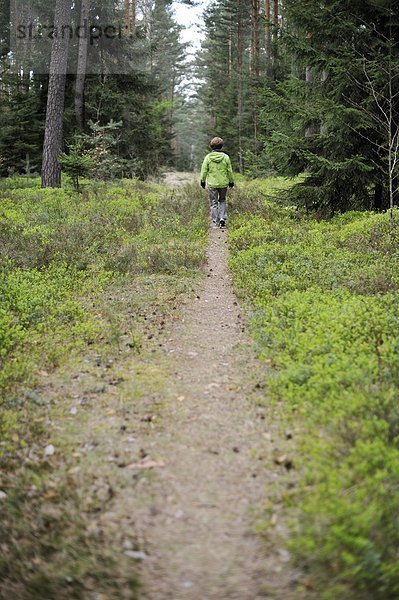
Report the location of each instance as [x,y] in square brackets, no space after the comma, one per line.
[130,12]
[82,64]
[275,17]
[255,49]
[127,18]
[255,64]
[230,49]
[275,27]
[268,38]
[147,18]
[240,90]
[267,28]
[53,132]
[133,14]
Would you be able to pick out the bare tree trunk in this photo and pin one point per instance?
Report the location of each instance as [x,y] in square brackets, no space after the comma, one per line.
[127,18]
[133,14]
[230,46]
[275,16]
[240,91]
[255,63]
[275,27]
[53,132]
[268,38]
[82,65]
[147,18]
[255,46]
[130,18]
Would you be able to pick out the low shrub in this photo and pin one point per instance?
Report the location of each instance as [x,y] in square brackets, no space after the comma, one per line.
[325,314]
[59,249]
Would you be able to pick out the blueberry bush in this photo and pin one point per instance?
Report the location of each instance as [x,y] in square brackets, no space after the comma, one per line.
[325,314]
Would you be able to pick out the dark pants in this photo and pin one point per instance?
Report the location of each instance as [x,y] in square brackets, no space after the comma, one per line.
[217,201]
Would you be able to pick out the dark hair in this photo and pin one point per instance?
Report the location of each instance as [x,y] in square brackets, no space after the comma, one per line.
[216,143]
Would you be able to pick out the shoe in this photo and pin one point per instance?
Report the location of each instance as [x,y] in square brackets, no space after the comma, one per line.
[222,224]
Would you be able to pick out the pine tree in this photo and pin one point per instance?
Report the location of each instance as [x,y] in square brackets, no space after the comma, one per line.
[21,132]
[335,113]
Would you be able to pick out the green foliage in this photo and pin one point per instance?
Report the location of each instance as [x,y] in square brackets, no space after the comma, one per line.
[77,163]
[325,297]
[22,119]
[60,249]
[332,113]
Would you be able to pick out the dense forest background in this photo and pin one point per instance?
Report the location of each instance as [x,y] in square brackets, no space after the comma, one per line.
[309,87]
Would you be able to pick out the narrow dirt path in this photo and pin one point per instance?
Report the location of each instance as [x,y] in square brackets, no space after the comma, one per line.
[178,178]
[197,532]
[171,456]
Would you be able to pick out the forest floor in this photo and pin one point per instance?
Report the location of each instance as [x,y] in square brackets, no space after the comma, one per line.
[171,454]
[196,517]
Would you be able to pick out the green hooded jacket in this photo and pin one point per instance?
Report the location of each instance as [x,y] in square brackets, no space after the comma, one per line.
[216,170]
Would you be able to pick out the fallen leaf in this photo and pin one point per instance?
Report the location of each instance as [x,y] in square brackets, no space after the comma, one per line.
[49,495]
[279,458]
[15,437]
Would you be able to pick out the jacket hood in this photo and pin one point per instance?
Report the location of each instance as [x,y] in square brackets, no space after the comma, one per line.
[216,156]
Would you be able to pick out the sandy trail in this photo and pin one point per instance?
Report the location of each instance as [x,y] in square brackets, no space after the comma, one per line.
[197,531]
[188,403]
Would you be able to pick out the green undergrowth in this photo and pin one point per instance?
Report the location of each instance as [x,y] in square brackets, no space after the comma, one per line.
[84,278]
[60,250]
[324,296]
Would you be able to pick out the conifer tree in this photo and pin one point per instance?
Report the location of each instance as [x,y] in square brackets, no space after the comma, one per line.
[335,113]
